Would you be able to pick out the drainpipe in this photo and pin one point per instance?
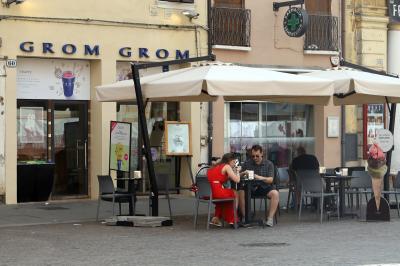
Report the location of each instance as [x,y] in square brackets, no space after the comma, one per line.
[343,108]
[210,104]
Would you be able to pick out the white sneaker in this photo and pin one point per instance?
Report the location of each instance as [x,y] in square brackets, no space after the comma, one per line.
[269,222]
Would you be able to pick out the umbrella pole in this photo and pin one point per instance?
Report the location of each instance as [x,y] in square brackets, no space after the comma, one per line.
[389,153]
[146,141]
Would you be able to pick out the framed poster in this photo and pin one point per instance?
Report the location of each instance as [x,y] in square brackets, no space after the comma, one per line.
[374,120]
[333,127]
[120,146]
[178,138]
[31,125]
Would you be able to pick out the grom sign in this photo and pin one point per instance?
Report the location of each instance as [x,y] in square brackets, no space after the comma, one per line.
[394,10]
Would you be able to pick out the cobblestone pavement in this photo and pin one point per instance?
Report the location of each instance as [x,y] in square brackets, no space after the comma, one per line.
[345,242]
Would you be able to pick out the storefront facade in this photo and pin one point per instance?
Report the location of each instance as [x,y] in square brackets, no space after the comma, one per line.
[279,127]
[56,55]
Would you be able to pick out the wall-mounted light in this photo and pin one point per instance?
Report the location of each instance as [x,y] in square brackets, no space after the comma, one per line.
[191,14]
[7,3]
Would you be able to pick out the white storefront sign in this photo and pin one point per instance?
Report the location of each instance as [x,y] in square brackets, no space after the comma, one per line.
[55,79]
[384,139]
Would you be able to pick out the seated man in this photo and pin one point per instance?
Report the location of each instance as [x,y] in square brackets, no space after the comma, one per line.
[303,161]
[263,170]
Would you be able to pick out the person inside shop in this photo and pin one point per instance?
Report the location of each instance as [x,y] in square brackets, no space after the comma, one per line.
[217,175]
[264,171]
[303,161]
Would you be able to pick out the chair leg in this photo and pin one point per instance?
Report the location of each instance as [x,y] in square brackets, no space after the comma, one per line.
[98,209]
[397,203]
[234,215]
[254,207]
[113,203]
[301,206]
[338,206]
[322,208]
[288,201]
[208,215]
[169,204]
[196,213]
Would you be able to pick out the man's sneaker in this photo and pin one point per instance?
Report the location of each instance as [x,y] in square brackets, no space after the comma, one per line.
[269,222]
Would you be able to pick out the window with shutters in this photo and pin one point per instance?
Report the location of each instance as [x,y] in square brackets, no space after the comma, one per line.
[323,28]
[230,23]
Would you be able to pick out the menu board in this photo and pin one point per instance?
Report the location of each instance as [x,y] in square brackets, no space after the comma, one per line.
[374,120]
[120,144]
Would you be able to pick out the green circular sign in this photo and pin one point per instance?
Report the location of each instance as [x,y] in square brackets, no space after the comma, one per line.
[295,22]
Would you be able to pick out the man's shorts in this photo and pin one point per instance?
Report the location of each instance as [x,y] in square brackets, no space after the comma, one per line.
[261,191]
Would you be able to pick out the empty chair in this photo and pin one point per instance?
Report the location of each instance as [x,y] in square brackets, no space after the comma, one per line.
[360,184]
[312,186]
[107,192]
[395,191]
[163,187]
[203,194]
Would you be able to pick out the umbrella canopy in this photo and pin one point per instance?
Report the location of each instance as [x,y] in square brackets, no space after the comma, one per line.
[360,87]
[234,83]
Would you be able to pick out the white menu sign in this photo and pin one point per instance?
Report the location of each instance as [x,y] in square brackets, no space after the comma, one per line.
[56,79]
[384,139]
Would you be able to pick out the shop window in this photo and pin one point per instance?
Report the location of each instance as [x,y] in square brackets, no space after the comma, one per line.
[278,127]
[322,7]
[32,139]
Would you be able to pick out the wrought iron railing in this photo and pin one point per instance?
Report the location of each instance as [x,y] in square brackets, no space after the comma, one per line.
[322,33]
[230,26]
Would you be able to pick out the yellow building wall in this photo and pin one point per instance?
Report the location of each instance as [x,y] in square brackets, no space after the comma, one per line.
[109,24]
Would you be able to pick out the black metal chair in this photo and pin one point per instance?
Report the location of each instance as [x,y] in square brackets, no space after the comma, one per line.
[312,186]
[264,198]
[107,192]
[163,187]
[204,195]
[359,185]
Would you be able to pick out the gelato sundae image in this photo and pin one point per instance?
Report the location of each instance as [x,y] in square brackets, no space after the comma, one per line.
[119,153]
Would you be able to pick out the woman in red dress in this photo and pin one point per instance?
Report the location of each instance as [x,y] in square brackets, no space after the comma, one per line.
[217,176]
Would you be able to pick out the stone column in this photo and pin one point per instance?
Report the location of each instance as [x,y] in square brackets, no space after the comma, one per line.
[394,67]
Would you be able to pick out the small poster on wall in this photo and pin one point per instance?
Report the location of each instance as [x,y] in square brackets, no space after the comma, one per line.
[56,79]
[31,125]
[120,146]
[178,138]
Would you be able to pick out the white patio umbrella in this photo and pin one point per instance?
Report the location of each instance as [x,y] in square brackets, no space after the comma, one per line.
[359,87]
[206,83]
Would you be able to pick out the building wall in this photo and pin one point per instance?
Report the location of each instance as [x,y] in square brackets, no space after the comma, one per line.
[271,46]
[111,25]
[365,40]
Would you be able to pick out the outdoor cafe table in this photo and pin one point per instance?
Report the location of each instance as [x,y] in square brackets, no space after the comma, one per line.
[342,193]
[131,189]
[248,184]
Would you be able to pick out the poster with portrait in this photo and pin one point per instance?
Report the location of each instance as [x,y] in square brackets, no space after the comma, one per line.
[31,125]
[374,120]
[120,146]
[178,138]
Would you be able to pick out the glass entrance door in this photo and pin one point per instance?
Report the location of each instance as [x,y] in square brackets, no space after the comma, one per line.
[70,136]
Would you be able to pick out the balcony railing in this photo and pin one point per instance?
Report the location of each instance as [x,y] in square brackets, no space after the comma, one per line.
[322,33]
[230,26]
